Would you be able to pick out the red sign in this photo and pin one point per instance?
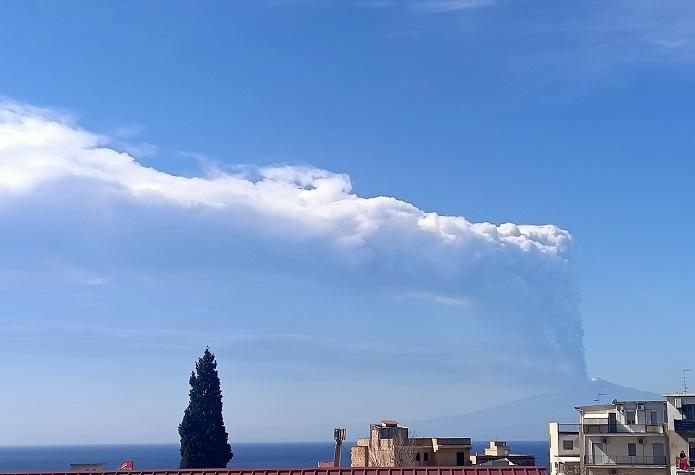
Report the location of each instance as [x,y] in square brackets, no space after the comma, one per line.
[126,465]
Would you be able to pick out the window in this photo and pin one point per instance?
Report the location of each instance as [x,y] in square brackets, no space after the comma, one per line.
[630,417]
[460,459]
[417,456]
[567,445]
[652,417]
[632,450]
[659,454]
[426,457]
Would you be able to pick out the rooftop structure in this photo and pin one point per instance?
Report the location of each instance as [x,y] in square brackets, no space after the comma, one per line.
[390,445]
[499,454]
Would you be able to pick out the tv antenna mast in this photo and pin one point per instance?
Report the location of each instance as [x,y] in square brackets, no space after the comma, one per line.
[599,387]
[685,380]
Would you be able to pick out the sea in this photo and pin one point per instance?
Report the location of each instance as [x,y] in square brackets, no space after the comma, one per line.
[36,458]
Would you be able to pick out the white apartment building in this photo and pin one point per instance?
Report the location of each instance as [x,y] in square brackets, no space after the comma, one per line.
[564,449]
[620,438]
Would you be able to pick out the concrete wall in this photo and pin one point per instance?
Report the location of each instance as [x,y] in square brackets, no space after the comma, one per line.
[358,456]
[446,457]
[557,450]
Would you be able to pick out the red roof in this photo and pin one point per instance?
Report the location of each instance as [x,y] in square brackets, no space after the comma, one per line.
[468,470]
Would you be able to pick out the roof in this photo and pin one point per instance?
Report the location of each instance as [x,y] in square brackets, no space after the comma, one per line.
[498,462]
[468,470]
[615,402]
[597,407]
[525,456]
[651,401]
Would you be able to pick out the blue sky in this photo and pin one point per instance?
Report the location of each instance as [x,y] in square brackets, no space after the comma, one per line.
[461,201]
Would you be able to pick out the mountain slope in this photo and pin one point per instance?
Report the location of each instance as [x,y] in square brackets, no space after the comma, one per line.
[528,418]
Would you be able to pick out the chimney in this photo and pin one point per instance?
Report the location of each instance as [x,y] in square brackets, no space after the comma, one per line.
[339,436]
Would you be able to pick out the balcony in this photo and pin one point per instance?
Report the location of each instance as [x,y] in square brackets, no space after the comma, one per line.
[625,428]
[625,460]
[684,425]
[568,428]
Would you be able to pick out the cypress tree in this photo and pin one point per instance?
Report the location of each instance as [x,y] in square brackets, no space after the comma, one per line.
[204,440]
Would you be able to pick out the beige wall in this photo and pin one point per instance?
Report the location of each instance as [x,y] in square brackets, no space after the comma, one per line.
[446,457]
[375,452]
[358,456]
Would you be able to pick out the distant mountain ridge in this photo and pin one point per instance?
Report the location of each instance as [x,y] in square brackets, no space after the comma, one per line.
[528,418]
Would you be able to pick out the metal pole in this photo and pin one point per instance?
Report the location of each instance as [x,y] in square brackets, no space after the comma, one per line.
[339,435]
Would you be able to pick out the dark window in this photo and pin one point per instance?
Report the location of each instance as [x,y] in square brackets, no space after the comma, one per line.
[688,411]
[567,445]
[460,459]
[632,450]
[612,423]
[394,433]
[426,457]
[417,456]
[630,417]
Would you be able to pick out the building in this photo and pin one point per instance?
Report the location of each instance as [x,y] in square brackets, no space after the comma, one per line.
[680,428]
[620,438]
[389,445]
[564,449]
[499,454]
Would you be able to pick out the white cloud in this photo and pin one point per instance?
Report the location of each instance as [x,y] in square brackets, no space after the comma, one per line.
[646,29]
[35,149]
[107,210]
[441,298]
[578,37]
[440,6]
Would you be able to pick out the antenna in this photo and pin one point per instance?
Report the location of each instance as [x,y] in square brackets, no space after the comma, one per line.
[599,394]
[685,380]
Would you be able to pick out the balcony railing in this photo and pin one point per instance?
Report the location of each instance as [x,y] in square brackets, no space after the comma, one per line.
[624,428]
[572,428]
[624,460]
[684,426]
